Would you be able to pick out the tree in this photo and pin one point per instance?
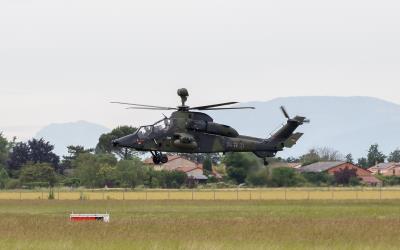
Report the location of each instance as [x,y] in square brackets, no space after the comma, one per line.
[207,164]
[42,151]
[320,154]
[74,152]
[3,177]
[18,157]
[284,177]
[258,178]
[329,154]
[174,179]
[4,150]
[38,174]
[349,158]
[362,162]
[240,164]
[310,158]
[345,176]
[95,170]
[34,151]
[104,146]
[107,175]
[131,173]
[375,156]
[394,156]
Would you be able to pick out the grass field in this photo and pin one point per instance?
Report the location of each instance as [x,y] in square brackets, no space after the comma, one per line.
[218,194]
[202,225]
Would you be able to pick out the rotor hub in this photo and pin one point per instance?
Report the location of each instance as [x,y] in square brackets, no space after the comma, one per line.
[183,93]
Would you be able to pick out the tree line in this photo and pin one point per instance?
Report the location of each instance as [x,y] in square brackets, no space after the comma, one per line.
[34,164]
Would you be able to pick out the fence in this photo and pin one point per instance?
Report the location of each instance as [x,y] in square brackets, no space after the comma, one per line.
[218,194]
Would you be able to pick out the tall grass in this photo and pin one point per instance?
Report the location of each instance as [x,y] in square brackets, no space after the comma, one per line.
[202,225]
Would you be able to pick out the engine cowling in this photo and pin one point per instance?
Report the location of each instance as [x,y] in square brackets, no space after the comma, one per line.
[212,128]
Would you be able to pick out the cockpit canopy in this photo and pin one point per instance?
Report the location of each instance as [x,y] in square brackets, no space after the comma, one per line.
[152,130]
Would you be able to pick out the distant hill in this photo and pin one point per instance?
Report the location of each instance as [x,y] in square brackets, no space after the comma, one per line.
[75,133]
[348,124]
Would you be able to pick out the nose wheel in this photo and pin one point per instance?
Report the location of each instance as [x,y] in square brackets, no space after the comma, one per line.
[159,158]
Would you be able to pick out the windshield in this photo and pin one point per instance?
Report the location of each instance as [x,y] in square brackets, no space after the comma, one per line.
[162,126]
[159,127]
[144,131]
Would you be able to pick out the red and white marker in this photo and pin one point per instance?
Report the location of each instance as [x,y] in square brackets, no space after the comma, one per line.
[90,217]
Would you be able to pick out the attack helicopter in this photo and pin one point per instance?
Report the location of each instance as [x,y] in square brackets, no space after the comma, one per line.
[190,131]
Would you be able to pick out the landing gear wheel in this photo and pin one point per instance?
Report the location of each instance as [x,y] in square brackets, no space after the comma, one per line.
[266,163]
[164,159]
[156,160]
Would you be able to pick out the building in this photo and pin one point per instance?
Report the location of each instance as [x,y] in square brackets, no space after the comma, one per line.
[192,169]
[386,169]
[333,166]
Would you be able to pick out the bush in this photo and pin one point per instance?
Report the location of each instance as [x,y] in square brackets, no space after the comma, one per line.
[285,177]
[37,174]
[259,178]
[72,182]
[12,184]
[318,179]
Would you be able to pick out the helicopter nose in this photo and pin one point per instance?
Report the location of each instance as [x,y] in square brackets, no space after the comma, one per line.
[115,143]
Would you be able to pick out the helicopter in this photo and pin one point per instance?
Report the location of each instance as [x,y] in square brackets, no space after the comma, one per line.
[189,131]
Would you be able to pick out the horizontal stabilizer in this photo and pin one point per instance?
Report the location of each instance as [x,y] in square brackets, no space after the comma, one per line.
[292,140]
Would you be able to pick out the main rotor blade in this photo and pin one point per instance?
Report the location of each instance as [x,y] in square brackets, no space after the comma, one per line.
[230,108]
[142,105]
[213,105]
[285,113]
[146,108]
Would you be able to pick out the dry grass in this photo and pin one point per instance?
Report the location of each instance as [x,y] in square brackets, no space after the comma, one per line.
[243,194]
[202,225]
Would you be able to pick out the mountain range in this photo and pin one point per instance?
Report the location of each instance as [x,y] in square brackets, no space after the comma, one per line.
[347,124]
[62,135]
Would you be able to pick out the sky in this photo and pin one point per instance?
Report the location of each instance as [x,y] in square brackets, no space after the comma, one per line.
[63,61]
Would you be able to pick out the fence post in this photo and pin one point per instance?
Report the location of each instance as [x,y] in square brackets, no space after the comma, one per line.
[250,194]
[145,193]
[332,194]
[123,195]
[168,194]
[20,195]
[42,195]
[237,194]
[285,193]
[214,194]
[192,194]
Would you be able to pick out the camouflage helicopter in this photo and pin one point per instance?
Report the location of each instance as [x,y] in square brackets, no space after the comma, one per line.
[186,131]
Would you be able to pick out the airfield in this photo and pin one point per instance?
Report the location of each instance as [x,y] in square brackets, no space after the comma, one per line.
[369,220]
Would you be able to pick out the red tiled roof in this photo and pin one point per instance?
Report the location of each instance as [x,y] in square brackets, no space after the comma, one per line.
[370,179]
[185,169]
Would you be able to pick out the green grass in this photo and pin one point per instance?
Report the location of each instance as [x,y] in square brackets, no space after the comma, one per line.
[202,225]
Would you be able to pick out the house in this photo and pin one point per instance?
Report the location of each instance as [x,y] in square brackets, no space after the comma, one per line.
[386,169]
[333,166]
[192,169]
